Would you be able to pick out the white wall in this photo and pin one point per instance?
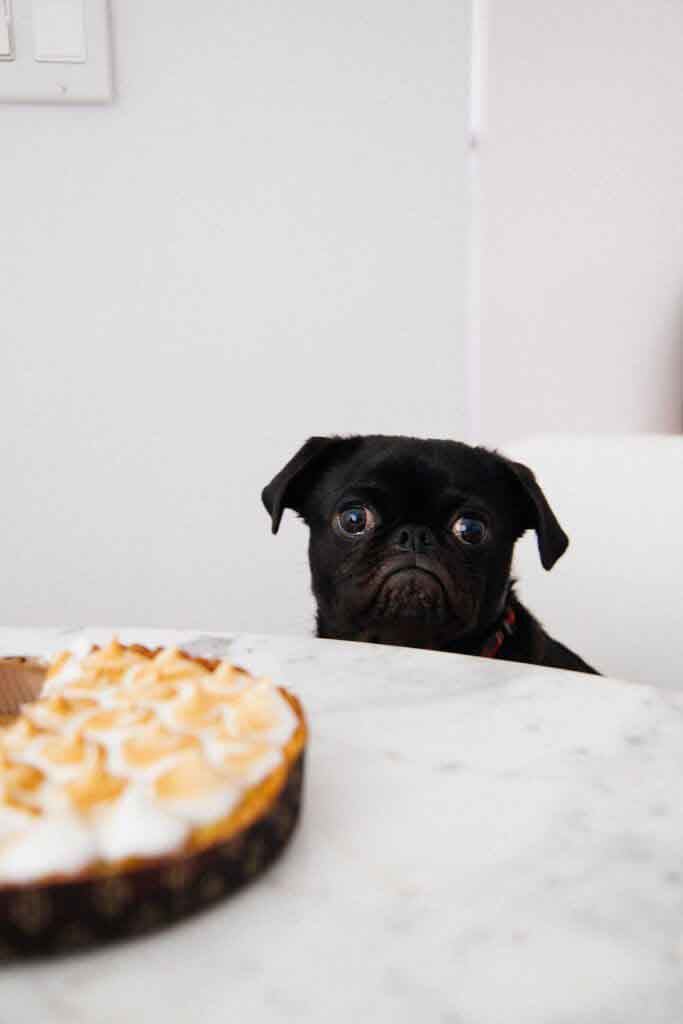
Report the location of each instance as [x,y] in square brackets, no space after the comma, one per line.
[263,237]
[582,242]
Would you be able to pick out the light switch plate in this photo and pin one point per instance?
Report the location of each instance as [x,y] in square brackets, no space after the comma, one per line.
[6,31]
[30,78]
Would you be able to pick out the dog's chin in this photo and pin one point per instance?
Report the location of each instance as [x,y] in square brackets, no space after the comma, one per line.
[414,607]
[413,594]
[411,601]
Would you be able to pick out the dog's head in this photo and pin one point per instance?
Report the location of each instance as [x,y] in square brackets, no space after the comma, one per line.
[410,540]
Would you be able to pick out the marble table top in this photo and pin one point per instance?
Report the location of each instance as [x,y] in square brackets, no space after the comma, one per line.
[482,843]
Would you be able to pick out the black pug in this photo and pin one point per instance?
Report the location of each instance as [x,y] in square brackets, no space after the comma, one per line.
[411,543]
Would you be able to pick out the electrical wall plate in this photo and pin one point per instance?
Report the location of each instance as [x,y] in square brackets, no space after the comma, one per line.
[60,52]
[6,33]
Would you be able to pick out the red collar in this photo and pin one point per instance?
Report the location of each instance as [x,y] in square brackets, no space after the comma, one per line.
[496,640]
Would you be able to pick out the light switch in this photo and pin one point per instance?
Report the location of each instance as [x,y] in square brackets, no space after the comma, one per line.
[59,31]
[6,31]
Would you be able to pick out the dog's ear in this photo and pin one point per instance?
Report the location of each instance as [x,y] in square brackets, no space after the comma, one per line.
[552,540]
[292,483]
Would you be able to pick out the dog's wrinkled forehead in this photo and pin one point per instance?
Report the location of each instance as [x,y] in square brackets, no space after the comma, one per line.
[420,476]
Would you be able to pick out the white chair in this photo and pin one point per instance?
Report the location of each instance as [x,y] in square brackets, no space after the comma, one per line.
[616,596]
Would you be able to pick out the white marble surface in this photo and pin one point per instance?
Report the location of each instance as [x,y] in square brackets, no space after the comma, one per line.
[481,843]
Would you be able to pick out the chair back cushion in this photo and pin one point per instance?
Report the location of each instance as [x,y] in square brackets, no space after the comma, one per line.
[616,596]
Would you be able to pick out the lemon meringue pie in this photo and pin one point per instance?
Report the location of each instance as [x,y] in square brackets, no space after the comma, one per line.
[131,763]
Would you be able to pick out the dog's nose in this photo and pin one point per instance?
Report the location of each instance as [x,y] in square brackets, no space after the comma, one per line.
[418,539]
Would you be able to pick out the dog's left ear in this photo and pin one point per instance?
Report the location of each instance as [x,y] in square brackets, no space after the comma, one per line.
[552,540]
[291,484]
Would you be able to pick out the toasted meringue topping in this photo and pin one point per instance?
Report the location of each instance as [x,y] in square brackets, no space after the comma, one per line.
[198,708]
[125,752]
[153,743]
[94,788]
[189,777]
[116,719]
[20,778]
[60,749]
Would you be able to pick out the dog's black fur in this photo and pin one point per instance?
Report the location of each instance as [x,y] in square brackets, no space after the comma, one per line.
[411,576]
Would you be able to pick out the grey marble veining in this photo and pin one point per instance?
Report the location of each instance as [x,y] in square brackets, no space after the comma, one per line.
[482,843]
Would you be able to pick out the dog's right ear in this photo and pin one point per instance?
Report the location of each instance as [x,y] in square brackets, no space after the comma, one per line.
[293,482]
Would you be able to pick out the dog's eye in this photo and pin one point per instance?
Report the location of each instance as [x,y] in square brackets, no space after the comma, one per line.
[469,530]
[356,519]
